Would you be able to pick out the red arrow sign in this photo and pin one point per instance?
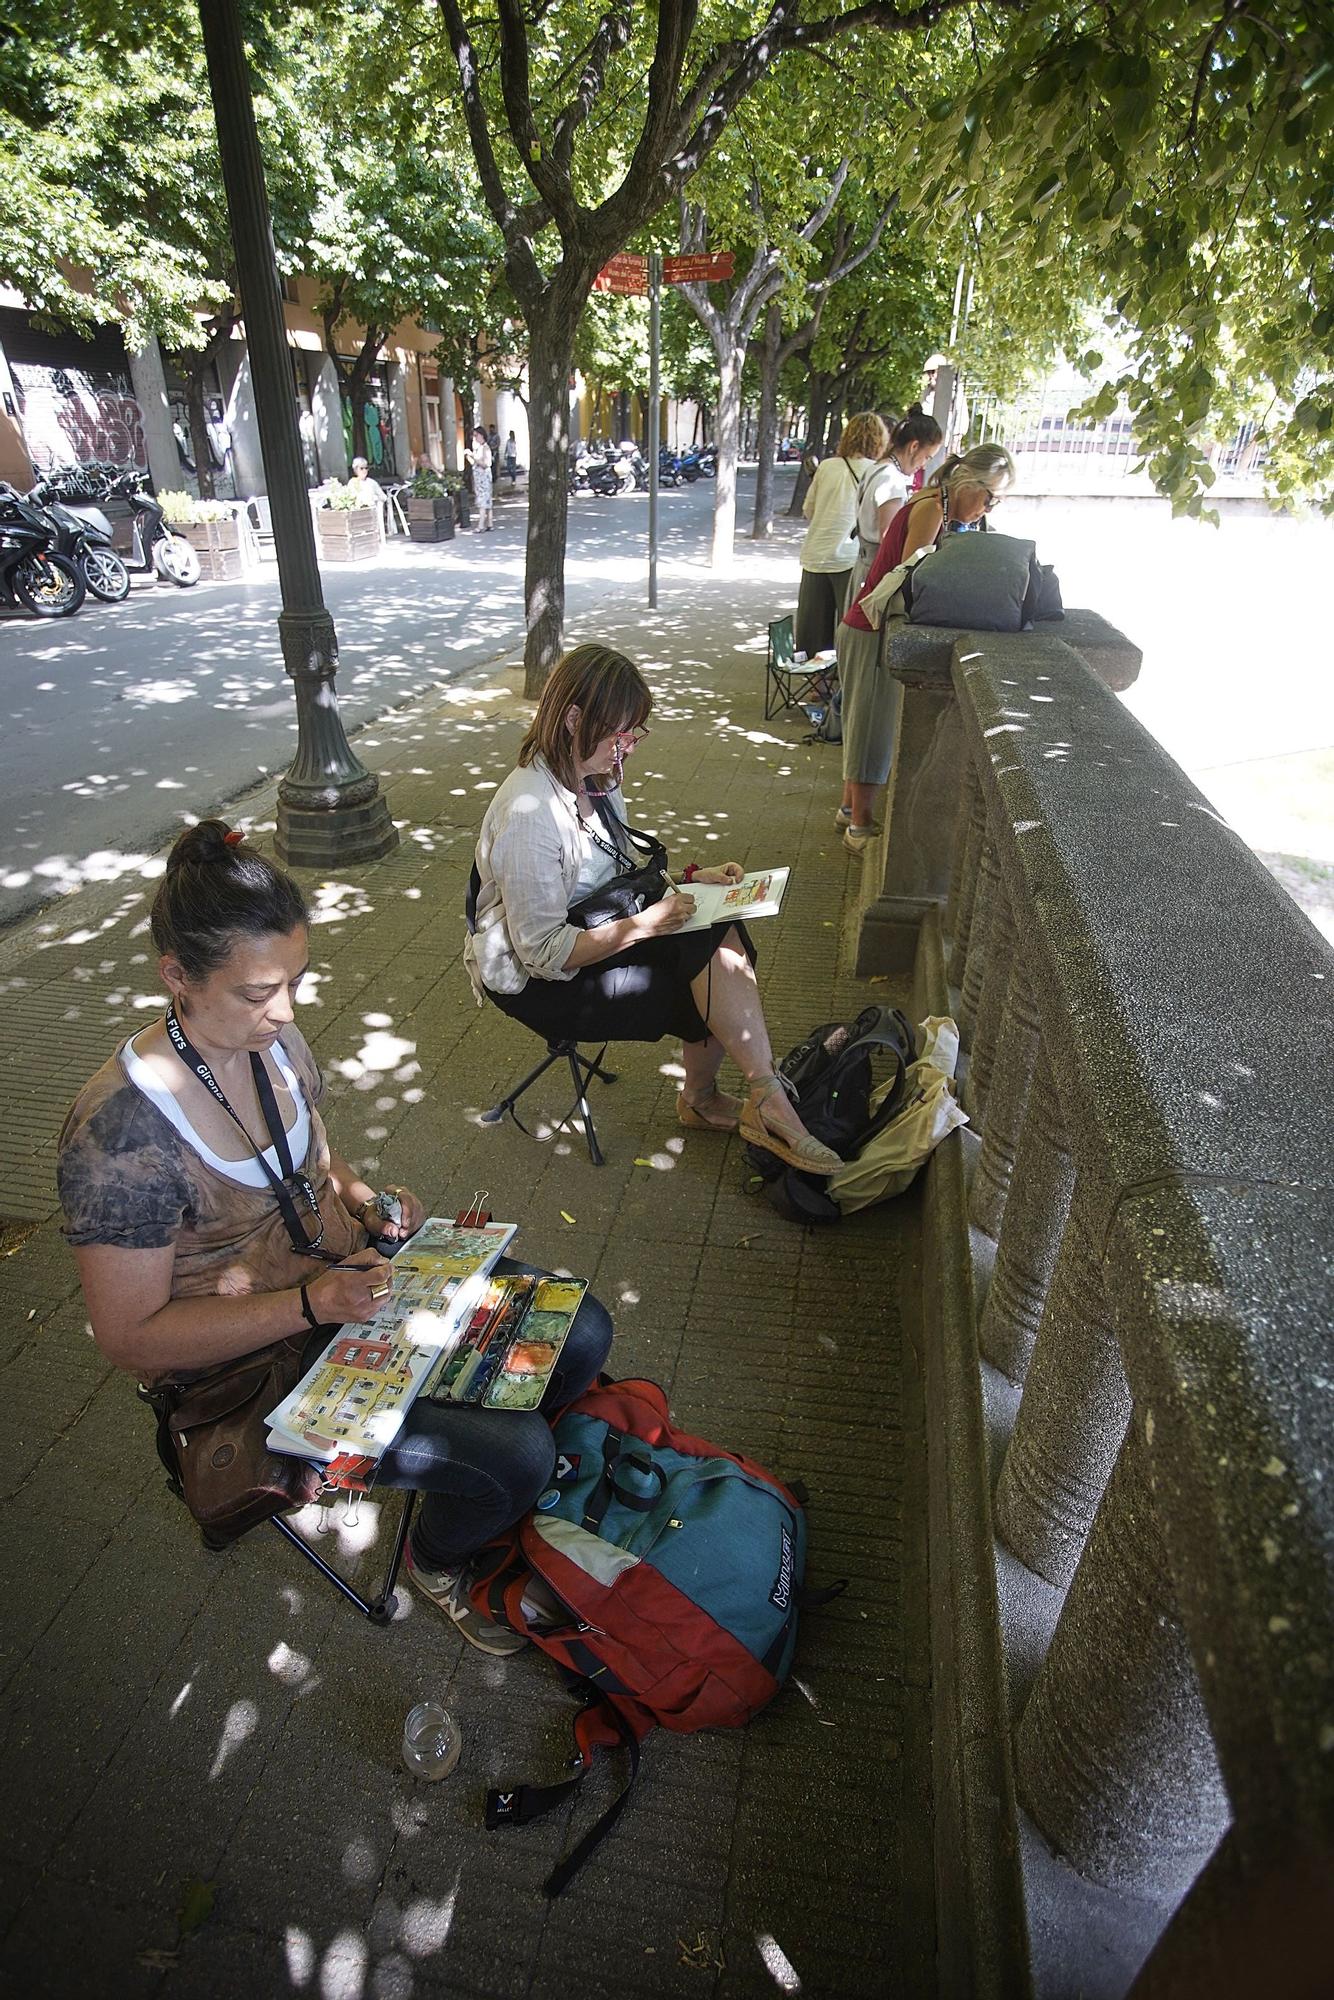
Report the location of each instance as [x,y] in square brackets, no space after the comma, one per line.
[701,270]
[623,273]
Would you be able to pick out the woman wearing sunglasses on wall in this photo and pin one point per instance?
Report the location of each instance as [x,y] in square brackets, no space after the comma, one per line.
[210,1217]
[554,836]
[960,494]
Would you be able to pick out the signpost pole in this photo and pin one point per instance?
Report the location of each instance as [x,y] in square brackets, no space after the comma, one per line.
[654,300]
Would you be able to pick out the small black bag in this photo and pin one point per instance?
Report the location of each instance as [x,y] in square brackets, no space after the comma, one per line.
[634,888]
[830,1077]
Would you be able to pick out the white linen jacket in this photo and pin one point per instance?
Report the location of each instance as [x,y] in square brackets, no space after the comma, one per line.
[530,852]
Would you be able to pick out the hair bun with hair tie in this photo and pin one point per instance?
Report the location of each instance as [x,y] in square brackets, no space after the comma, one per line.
[233,838]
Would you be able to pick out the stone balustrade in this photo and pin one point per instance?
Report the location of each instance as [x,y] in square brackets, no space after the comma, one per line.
[1147,1022]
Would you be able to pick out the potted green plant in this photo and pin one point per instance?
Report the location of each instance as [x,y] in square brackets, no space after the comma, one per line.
[349,530]
[213,532]
[430,507]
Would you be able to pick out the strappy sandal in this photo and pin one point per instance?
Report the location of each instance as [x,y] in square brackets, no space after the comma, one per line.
[690,1116]
[804,1153]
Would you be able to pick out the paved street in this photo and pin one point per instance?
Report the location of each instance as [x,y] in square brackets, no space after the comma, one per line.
[207,1748]
[119,719]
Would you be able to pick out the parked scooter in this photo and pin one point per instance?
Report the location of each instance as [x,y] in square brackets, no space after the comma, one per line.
[701,461]
[31,573]
[604,475]
[84,540]
[154,549]
[669,467]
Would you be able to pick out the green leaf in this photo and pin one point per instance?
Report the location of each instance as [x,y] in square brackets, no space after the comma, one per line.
[196,1905]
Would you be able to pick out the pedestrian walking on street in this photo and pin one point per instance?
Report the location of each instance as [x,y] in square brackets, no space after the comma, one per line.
[511,458]
[479,458]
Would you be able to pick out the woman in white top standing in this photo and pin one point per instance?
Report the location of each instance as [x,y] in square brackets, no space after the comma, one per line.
[887,487]
[830,547]
[544,846]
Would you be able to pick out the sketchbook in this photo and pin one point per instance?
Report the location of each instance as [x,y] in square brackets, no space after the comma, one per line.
[758,895]
[352,1402]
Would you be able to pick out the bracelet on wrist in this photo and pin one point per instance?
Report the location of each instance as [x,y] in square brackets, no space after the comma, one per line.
[691,872]
[306,1312]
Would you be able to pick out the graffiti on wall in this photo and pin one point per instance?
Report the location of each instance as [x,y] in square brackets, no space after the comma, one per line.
[71,415]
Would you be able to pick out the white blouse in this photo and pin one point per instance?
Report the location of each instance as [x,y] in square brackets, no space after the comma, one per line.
[535,856]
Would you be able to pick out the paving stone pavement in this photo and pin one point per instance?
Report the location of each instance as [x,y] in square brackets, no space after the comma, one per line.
[173,1718]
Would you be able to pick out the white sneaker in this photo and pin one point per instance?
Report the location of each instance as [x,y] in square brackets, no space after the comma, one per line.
[447,1590]
[858,838]
[843,817]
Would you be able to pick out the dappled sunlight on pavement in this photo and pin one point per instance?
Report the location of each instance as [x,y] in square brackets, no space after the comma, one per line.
[243,1746]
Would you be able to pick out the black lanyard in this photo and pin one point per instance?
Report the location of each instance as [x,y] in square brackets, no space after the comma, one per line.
[611,819]
[297,1235]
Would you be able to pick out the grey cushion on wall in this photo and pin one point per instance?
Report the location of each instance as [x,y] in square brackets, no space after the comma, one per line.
[978,581]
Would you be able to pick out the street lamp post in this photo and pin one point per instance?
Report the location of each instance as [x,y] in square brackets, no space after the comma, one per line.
[330,809]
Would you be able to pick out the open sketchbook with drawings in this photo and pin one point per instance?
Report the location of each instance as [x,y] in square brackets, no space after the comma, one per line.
[757,895]
[353,1400]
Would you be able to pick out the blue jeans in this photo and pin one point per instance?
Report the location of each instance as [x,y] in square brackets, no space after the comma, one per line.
[480,1471]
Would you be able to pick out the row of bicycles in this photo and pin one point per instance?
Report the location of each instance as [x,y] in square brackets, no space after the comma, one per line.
[56,542]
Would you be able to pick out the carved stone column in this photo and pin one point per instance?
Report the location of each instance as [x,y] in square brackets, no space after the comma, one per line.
[970,796]
[979,937]
[1073,1415]
[1035,1213]
[986,1030]
[969,835]
[1113,1755]
[1007,1101]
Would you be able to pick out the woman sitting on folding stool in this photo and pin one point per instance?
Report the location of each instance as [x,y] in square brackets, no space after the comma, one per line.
[195,1161]
[544,846]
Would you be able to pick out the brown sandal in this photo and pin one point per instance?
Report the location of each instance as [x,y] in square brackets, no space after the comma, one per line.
[688,1114]
[805,1153]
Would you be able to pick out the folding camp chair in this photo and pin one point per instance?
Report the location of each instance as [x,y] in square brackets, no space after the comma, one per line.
[793,683]
[378,1609]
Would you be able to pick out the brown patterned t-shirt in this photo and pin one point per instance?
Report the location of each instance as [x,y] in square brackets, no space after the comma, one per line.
[127,1177]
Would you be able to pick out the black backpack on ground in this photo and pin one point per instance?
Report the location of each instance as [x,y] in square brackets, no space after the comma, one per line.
[830,1077]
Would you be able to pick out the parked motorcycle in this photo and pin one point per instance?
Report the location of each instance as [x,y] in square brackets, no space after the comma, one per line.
[31,573]
[699,461]
[154,549]
[669,467]
[604,474]
[84,540]
[635,459]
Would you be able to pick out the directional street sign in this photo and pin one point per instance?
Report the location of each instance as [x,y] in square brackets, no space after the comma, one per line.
[623,273]
[701,270]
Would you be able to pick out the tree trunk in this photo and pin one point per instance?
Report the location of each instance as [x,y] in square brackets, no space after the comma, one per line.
[727,437]
[767,443]
[194,403]
[817,404]
[550,358]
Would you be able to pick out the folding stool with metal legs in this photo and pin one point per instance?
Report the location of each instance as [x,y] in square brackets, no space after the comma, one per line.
[582,1067]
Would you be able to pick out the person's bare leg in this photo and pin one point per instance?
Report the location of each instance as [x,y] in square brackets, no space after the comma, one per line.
[730,1002]
[861,799]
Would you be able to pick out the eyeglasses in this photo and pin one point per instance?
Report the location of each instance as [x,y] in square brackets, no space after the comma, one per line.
[631,738]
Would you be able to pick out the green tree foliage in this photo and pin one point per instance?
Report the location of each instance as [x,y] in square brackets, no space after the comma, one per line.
[108,164]
[1172,162]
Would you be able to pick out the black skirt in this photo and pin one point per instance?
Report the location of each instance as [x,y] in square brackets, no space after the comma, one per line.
[641,995]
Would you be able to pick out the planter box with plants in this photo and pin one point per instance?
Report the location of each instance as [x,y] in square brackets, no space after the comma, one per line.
[431,505]
[349,532]
[211,529]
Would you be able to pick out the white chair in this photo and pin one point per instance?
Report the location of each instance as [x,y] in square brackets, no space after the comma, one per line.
[260,521]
